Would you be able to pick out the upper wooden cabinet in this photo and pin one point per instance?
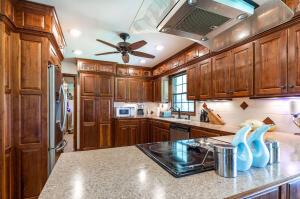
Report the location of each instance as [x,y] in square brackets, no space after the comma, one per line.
[271,65]
[106,85]
[192,82]
[157,90]
[294,60]
[221,76]
[204,79]
[133,71]
[148,91]
[103,67]
[135,92]
[241,71]
[121,89]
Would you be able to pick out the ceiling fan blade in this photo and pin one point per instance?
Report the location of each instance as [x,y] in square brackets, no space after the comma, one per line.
[125,58]
[108,44]
[137,45]
[107,53]
[141,54]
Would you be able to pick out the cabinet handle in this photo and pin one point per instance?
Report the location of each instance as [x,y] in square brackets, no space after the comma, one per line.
[291,86]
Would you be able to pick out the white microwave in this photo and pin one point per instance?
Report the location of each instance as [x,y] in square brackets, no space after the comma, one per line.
[124,111]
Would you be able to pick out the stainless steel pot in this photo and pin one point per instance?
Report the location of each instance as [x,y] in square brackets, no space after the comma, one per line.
[225,156]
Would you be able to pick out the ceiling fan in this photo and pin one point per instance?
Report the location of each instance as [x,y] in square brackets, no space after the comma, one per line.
[126,48]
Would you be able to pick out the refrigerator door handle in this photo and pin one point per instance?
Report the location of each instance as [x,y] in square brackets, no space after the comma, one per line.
[63,123]
[61,146]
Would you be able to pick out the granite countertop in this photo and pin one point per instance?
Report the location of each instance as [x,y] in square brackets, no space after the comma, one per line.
[126,172]
[225,128]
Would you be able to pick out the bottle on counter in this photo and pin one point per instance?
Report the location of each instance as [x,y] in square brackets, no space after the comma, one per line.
[258,147]
[244,154]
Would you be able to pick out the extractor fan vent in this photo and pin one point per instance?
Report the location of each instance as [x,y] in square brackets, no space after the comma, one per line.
[201,22]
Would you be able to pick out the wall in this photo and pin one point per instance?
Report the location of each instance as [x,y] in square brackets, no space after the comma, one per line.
[69,67]
[276,109]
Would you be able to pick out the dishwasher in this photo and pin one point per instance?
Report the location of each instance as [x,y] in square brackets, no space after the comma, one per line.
[179,132]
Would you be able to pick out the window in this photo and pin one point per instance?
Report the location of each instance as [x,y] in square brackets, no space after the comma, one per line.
[179,94]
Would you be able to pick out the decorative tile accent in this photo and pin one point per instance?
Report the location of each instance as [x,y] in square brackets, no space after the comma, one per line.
[268,121]
[244,105]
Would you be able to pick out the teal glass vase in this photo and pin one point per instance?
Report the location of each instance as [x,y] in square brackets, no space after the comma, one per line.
[258,147]
[244,154]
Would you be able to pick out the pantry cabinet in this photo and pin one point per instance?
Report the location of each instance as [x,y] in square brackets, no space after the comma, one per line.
[271,64]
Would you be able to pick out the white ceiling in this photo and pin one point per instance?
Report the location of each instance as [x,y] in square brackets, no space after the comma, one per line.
[105,19]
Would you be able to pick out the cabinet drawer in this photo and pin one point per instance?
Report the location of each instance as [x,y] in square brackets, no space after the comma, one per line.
[200,133]
[161,124]
[127,122]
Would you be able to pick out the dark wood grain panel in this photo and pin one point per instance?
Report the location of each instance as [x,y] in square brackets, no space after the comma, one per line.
[9,174]
[106,85]
[31,119]
[34,20]
[241,71]
[192,82]
[221,76]
[294,189]
[105,136]
[135,90]
[105,110]
[157,90]
[31,172]
[31,63]
[147,91]
[271,64]
[205,79]
[201,133]
[121,89]
[89,85]
[294,60]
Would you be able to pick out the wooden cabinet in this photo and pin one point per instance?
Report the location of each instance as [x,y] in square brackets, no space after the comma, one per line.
[106,85]
[192,82]
[202,133]
[121,89]
[147,91]
[204,79]
[157,90]
[89,84]
[221,77]
[293,189]
[294,60]
[241,71]
[135,92]
[271,64]
[89,135]
[268,194]
[160,131]
[144,131]
[126,132]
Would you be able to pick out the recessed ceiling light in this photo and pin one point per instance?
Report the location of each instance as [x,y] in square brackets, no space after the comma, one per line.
[142,61]
[159,47]
[75,33]
[77,52]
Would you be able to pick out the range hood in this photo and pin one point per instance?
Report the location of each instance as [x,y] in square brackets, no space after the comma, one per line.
[216,24]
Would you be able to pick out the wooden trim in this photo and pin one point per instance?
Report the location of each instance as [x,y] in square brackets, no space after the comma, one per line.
[75,133]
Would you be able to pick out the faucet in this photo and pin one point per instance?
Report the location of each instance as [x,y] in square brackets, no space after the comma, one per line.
[178,111]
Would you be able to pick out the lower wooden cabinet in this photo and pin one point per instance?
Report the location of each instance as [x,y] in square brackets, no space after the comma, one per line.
[203,133]
[160,131]
[126,132]
[144,131]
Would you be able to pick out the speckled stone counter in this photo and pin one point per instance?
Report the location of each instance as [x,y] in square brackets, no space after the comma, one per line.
[127,172]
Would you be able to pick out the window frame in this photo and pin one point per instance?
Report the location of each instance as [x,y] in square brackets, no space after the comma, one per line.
[192,113]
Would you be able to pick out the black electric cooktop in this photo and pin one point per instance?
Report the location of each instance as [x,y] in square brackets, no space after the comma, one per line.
[183,157]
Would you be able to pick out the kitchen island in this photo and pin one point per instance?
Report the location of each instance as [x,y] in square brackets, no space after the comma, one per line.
[126,172]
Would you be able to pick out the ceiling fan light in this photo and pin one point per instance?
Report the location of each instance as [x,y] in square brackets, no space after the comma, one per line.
[142,61]
[75,33]
[159,47]
[77,52]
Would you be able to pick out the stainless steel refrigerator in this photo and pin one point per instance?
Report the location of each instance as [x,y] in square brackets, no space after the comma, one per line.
[57,114]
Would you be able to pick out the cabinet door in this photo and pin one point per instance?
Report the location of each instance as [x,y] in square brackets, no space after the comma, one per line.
[164,135]
[134,90]
[221,77]
[88,123]
[105,136]
[271,64]
[241,72]
[144,131]
[192,82]
[268,194]
[106,86]
[120,89]
[105,110]
[294,60]
[294,189]
[133,135]
[88,84]
[121,137]
[147,91]
[157,90]
[199,133]
[204,77]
